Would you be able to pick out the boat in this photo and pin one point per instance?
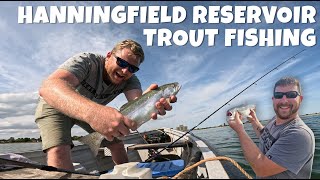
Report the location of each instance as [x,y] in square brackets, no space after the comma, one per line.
[189,157]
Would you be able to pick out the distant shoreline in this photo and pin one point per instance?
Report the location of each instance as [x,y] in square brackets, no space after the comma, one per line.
[310,114]
[18,142]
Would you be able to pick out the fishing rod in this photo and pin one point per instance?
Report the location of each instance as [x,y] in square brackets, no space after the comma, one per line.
[157,154]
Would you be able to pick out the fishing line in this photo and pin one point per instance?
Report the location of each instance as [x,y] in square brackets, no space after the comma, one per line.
[275,68]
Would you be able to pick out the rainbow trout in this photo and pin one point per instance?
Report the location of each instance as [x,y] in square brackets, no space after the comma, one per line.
[138,110]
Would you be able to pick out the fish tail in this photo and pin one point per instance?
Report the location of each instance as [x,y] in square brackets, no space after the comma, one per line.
[93,140]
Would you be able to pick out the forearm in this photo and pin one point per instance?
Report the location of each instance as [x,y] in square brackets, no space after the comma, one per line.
[62,96]
[251,152]
[257,127]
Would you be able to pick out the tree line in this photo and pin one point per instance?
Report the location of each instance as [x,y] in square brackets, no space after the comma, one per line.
[23,140]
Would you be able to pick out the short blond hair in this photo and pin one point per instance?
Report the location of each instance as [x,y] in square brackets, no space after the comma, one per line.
[132,45]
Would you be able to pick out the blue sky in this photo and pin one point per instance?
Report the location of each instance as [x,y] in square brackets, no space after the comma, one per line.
[210,75]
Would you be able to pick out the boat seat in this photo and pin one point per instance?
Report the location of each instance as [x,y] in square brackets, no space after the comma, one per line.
[158,169]
[160,145]
[165,168]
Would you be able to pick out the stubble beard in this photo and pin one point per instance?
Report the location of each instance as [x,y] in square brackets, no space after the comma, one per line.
[287,115]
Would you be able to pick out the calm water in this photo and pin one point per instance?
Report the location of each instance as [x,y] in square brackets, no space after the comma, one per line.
[226,142]
[23,147]
[223,139]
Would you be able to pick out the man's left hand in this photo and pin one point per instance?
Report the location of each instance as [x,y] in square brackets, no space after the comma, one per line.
[163,104]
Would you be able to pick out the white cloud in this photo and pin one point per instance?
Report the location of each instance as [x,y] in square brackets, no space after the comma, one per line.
[3,25]
[17,104]
[18,126]
[57,46]
[312,77]
[182,68]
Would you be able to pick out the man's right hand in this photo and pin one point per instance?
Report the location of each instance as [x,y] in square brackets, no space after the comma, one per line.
[110,122]
[236,124]
[59,92]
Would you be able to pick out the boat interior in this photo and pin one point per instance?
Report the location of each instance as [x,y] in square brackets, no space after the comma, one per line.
[152,149]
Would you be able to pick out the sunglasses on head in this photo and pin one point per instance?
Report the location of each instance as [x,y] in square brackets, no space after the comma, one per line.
[123,64]
[290,94]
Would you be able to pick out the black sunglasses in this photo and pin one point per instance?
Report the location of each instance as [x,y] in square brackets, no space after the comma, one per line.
[290,94]
[122,63]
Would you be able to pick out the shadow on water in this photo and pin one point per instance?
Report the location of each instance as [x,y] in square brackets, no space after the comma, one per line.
[226,143]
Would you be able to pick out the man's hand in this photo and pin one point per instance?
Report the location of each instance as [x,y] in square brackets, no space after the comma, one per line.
[236,123]
[163,104]
[110,122]
[253,116]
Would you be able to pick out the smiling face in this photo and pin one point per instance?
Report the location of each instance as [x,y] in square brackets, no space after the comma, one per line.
[113,71]
[286,108]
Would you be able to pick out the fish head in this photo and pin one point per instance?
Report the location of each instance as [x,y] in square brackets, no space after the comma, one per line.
[244,110]
[170,89]
[231,114]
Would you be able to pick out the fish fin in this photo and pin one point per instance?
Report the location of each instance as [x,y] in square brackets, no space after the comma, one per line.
[93,140]
[124,106]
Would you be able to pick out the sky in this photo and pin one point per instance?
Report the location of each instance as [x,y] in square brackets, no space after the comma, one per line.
[210,75]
